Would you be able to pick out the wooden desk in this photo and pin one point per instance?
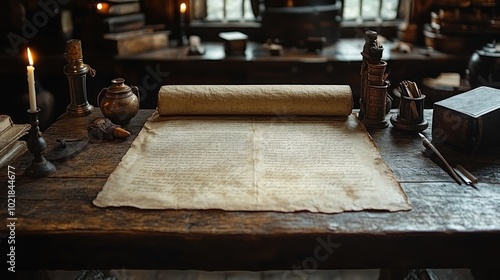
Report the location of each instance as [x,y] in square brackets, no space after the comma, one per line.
[57,226]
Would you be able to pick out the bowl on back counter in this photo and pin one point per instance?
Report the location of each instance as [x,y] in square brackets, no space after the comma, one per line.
[443,86]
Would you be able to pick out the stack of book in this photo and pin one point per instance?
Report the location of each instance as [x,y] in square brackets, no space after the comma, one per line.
[10,144]
[125,28]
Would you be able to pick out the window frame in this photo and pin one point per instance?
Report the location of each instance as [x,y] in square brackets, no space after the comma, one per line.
[348,28]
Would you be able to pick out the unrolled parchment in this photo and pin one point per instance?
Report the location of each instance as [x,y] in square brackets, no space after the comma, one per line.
[252,163]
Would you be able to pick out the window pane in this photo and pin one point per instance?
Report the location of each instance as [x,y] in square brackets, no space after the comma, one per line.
[351,9]
[215,9]
[240,10]
[370,9]
[229,10]
[389,9]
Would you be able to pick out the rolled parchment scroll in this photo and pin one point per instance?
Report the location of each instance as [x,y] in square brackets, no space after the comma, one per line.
[329,100]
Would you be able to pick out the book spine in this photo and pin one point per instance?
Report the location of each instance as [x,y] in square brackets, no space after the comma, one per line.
[126,22]
[139,43]
[121,9]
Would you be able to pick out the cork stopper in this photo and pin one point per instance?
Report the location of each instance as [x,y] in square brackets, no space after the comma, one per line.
[74,49]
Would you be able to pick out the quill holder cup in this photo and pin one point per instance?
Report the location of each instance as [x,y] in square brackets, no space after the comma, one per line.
[410,115]
[411,109]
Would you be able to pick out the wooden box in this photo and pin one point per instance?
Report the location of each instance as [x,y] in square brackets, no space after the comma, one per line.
[470,121]
[235,42]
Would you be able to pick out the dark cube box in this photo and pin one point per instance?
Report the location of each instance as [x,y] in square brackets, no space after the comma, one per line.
[235,42]
[468,122]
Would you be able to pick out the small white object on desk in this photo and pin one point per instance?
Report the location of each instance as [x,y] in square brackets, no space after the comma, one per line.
[31,83]
[195,47]
[194,41]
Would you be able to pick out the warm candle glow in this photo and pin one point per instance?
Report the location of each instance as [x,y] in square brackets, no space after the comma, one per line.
[30,58]
[183,7]
[31,83]
[102,7]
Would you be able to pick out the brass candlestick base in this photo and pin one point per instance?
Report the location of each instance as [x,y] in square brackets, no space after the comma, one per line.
[40,167]
[80,109]
[76,72]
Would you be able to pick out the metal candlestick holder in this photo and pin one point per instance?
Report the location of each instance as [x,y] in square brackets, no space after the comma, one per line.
[182,29]
[183,41]
[40,167]
[76,71]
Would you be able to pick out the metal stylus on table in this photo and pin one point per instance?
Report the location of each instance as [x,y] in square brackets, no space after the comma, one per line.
[459,174]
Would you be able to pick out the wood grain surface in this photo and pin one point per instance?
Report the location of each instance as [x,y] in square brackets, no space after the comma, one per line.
[57,226]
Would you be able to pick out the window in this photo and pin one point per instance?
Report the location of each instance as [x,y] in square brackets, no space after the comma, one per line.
[361,10]
[241,10]
[229,10]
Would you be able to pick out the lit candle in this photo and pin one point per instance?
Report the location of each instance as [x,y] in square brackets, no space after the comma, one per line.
[102,8]
[183,11]
[31,83]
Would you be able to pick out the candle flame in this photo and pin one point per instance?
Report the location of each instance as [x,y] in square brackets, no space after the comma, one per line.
[30,58]
[102,7]
[183,7]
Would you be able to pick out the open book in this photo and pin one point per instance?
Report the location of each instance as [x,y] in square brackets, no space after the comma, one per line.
[10,144]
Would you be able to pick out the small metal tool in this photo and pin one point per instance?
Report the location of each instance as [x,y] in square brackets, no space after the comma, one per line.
[67,149]
[448,167]
[464,178]
[467,174]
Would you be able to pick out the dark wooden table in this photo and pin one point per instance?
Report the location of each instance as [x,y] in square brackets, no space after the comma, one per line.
[57,227]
